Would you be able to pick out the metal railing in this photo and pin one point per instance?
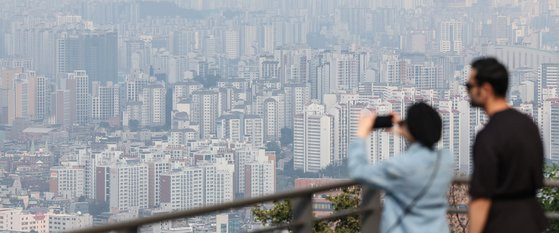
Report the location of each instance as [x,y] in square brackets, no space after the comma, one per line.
[369,210]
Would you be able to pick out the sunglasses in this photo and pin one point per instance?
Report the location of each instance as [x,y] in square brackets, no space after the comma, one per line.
[469,86]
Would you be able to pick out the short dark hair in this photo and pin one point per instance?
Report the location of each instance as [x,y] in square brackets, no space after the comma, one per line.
[424,124]
[489,70]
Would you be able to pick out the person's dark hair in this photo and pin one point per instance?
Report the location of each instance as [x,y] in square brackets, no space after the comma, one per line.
[424,124]
[491,71]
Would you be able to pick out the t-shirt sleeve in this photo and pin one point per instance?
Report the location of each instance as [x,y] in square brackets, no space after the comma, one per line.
[484,177]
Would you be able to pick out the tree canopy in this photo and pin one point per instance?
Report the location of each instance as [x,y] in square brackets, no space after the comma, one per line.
[281,213]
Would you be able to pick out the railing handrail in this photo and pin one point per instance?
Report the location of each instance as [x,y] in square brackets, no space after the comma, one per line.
[296,193]
[219,207]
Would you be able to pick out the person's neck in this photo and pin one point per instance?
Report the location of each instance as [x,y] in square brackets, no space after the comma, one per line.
[496,105]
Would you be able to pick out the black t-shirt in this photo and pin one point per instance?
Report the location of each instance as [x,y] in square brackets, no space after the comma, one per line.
[508,169]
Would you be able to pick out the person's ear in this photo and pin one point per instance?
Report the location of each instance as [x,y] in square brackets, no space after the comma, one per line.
[405,132]
[487,89]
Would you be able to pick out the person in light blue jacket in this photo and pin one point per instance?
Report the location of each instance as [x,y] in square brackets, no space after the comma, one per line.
[415,182]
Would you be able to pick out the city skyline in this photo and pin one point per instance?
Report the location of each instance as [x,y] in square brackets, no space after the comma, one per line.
[112,110]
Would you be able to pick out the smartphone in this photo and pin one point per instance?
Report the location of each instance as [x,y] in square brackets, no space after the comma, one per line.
[383,122]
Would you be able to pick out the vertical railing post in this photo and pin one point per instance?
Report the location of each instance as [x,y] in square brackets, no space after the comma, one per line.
[370,220]
[303,213]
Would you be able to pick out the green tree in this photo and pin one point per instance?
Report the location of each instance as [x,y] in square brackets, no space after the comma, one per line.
[336,170]
[208,80]
[273,146]
[549,197]
[348,199]
[286,137]
[281,213]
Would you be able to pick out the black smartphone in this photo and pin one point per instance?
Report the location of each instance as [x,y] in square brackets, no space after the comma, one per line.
[383,122]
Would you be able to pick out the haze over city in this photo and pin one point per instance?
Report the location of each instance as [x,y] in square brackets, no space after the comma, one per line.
[112,110]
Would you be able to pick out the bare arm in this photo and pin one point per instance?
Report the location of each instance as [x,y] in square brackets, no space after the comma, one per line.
[478,213]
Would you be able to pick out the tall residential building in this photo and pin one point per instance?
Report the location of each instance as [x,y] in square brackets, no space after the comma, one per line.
[346,71]
[273,112]
[180,42]
[322,84]
[268,40]
[105,101]
[250,40]
[218,181]
[260,176]
[135,84]
[230,127]
[548,78]
[7,95]
[192,187]
[232,44]
[179,182]
[123,185]
[390,69]
[426,75]
[340,115]
[461,132]
[254,129]
[67,181]
[451,37]
[382,146]
[38,97]
[182,91]
[23,94]
[297,96]
[95,52]
[205,111]
[154,105]
[455,138]
[241,157]
[79,97]
[35,42]
[156,168]
[313,139]
[269,68]
[550,130]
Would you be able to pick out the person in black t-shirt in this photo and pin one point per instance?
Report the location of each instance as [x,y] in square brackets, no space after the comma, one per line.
[508,158]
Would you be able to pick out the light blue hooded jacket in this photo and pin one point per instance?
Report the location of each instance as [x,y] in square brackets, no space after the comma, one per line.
[402,178]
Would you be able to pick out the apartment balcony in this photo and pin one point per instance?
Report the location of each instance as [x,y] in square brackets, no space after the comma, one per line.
[369,211]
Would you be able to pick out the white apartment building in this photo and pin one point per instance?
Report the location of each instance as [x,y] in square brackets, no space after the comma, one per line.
[124,185]
[550,128]
[313,139]
[68,181]
[58,223]
[232,44]
[260,176]
[273,113]
[18,220]
[80,97]
[205,112]
[254,129]
[156,168]
[451,37]
[105,101]
[197,186]
[154,105]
